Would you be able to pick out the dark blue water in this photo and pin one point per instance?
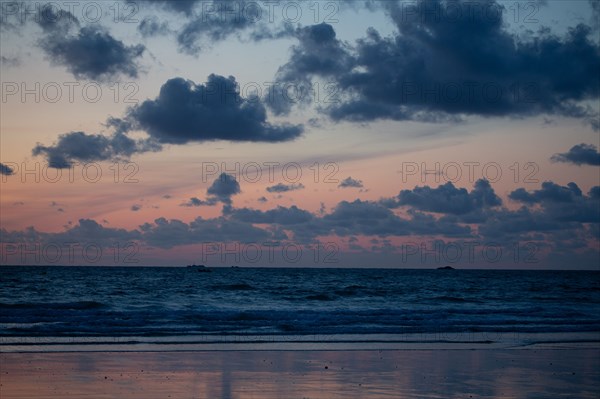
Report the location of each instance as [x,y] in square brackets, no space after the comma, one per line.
[121,302]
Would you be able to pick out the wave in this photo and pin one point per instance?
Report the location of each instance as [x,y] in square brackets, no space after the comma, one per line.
[233,287]
[81,305]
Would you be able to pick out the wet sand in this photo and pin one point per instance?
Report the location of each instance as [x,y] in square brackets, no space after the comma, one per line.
[554,372]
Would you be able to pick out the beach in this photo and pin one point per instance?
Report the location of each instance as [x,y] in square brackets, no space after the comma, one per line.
[298,333]
[540,371]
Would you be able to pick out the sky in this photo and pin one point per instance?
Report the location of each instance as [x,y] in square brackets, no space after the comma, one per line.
[400,134]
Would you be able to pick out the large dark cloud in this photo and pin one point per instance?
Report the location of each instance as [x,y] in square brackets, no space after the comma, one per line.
[580,154]
[186,112]
[83,147]
[550,192]
[562,203]
[452,58]
[319,52]
[183,112]
[89,52]
[447,198]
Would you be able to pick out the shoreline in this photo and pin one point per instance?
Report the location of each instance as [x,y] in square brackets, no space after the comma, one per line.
[338,342]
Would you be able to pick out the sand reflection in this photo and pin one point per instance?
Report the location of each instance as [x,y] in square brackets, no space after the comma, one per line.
[303,374]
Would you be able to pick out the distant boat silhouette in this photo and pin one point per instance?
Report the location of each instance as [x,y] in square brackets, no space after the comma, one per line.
[446,268]
[200,268]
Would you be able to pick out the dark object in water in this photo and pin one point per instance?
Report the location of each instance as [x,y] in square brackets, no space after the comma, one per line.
[445,268]
[200,268]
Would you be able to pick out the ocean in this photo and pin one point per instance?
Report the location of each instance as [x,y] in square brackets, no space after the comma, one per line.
[49,305]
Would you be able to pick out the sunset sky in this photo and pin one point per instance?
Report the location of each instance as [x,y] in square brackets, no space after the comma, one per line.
[301,133]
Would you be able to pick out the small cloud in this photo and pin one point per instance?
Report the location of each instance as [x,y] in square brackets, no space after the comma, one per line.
[581,154]
[89,52]
[80,146]
[262,199]
[167,196]
[151,26]
[351,183]
[193,202]
[284,188]
[222,189]
[136,207]
[9,61]
[6,170]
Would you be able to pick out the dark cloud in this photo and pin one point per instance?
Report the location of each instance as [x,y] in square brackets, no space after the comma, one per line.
[221,190]
[350,182]
[206,30]
[80,146]
[10,62]
[219,20]
[280,215]
[595,4]
[187,112]
[520,224]
[449,59]
[6,170]
[560,219]
[165,233]
[182,6]
[224,187]
[59,22]
[550,192]
[284,188]
[319,52]
[135,207]
[86,231]
[91,53]
[374,219]
[562,203]
[447,198]
[580,154]
[151,26]
[194,201]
